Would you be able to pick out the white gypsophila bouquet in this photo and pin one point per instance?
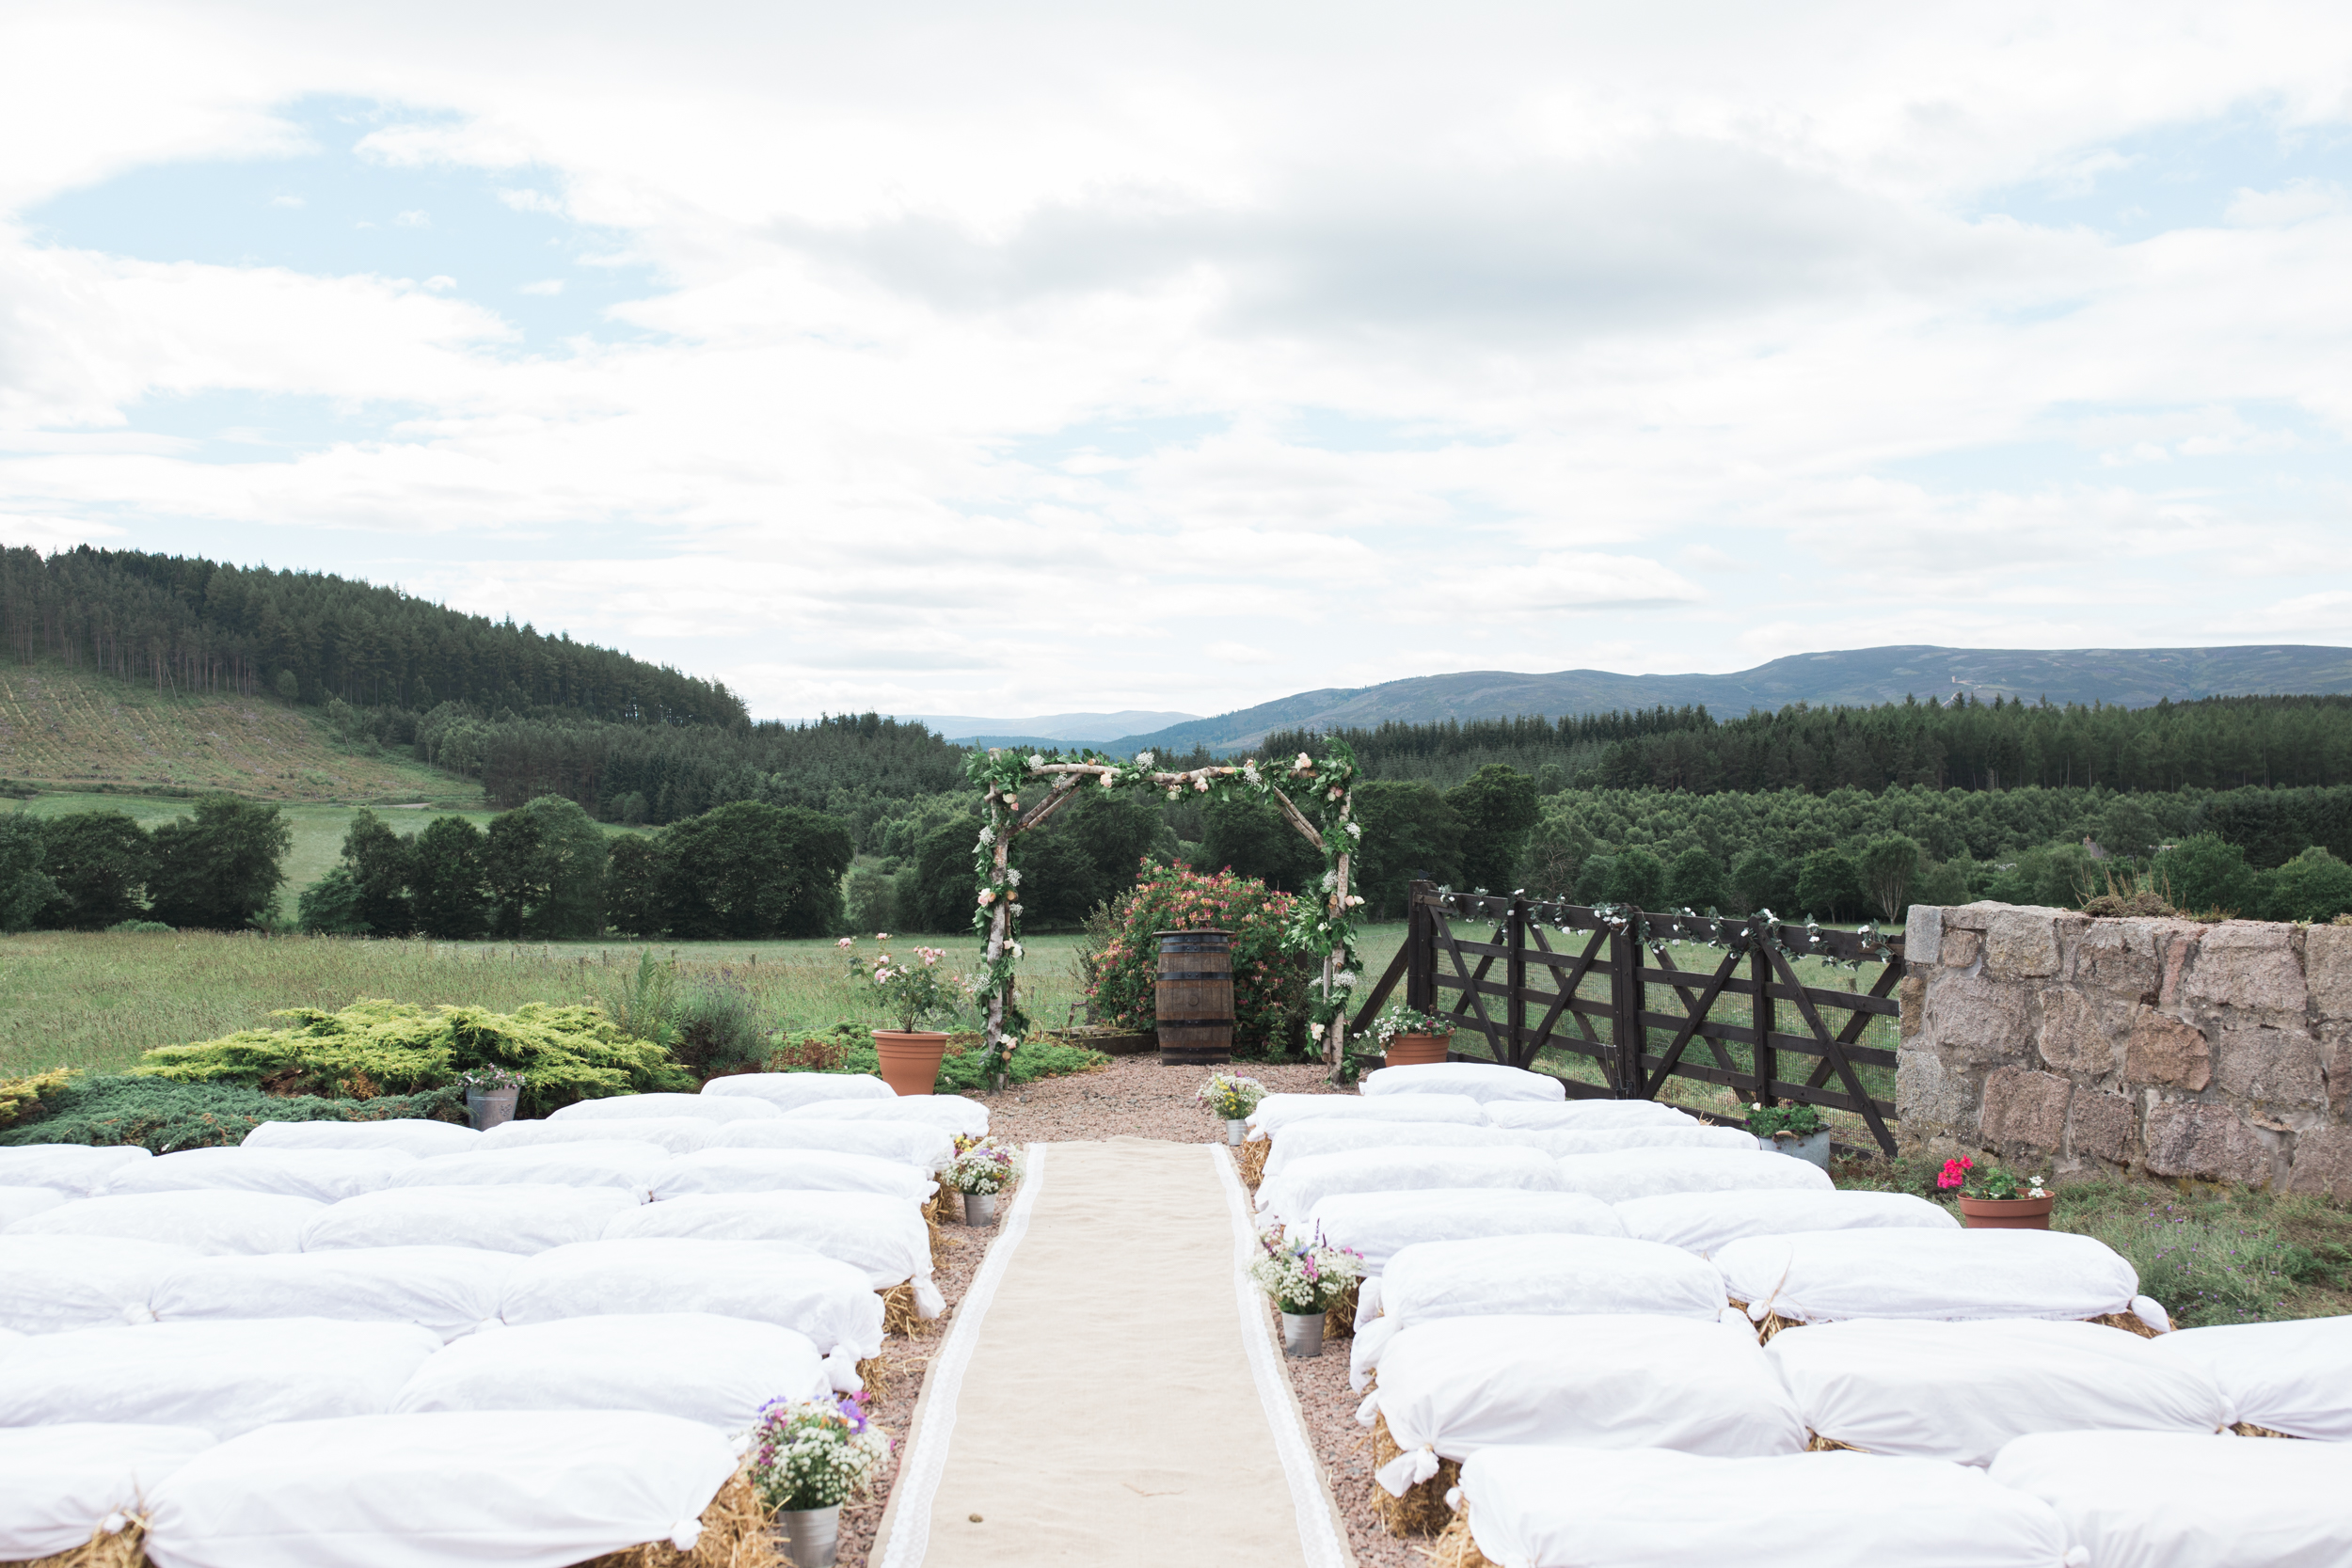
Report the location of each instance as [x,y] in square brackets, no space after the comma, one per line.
[814,1453]
[983,1166]
[1304,1278]
[1230,1097]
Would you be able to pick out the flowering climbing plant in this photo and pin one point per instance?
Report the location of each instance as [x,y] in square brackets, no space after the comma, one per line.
[814,1453]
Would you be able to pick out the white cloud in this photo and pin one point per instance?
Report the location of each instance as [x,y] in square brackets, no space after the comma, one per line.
[413,219]
[544,285]
[285,201]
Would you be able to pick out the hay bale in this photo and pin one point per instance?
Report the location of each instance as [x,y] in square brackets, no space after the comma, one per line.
[1339,1318]
[126,1548]
[1772,1323]
[874,1373]
[737,1533]
[2128,1321]
[898,1313]
[1422,1510]
[1456,1549]
[1816,1443]
[1252,1161]
[2247,1429]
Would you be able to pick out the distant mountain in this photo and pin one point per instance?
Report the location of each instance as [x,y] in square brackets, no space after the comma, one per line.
[2128,678]
[1080,729]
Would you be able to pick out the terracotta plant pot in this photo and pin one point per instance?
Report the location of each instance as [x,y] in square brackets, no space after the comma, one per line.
[1416,1050]
[2006,1213]
[910,1062]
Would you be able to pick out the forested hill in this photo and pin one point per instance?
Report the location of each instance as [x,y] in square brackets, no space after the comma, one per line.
[190,625]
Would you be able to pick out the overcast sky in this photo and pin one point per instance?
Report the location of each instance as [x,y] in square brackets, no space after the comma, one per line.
[1011,360]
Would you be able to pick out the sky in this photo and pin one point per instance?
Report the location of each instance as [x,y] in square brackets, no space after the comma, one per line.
[1037,358]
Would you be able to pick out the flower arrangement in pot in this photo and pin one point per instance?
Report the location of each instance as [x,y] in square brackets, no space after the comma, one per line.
[490,1095]
[808,1457]
[1991,1199]
[1229,1098]
[914,992]
[1408,1037]
[1791,1129]
[981,1169]
[1304,1281]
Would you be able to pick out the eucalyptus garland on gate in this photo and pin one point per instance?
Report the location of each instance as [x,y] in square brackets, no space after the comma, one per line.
[1315,797]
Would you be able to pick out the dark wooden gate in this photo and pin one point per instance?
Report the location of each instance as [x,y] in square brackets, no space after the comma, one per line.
[1598,994]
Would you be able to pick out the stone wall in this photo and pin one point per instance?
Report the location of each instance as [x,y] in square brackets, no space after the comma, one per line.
[2081,1045]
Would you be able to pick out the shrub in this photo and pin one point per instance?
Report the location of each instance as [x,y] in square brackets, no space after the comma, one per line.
[374,1047]
[163,1115]
[719,1029]
[1269,983]
[850,1048]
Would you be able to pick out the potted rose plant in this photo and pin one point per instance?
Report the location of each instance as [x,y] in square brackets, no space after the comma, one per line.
[981,1169]
[1304,1281]
[1229,1098]
[808,1457]
[1790,1129]
[490,1095]
[1991,1199]
[1410,1038]
[914,992]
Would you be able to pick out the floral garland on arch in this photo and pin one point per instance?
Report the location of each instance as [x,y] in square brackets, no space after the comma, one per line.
[1316,797]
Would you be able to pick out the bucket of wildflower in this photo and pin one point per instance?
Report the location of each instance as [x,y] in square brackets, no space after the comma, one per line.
[2006,1213]
[910,1059]
[1302,1335]
[979,1209]
[811,1537]
[1193,998]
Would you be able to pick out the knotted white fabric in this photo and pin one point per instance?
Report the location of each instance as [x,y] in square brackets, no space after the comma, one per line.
[1586,1116]
[766,1170]
[325,1175]
[66,1481]
[1484,1081]
[1961,1391]
[1824,1275]
[2145,1500]
[447,1289]
[1649,1172]
[788,1091]
[671,1135]
[408,1134]
[950,1112]
[518,1218]
[883,1237]
[1702,1222]
[623,1107]
[77,1168]
[1452,1387]
[2291,1377]
[223,1377]
[785,1283]
[1291,1196]
[516,1489]
[1658,1509]
[912,1142]
[18,1203]
[696,1366]
[208,1220]
[1378,1226]
[1277,1111]
[49,1284]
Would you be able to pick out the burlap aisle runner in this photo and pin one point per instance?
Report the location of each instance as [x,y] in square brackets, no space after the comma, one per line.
[1101,1398]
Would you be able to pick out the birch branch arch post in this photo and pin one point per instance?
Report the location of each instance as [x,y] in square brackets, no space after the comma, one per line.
[1324,925]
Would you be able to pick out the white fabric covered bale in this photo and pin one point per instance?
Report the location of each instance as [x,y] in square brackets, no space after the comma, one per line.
[517,1489]
[1451,1388]
[224,1377]
[518,1218]
[1560,1508]
[77,1168]
[1961,1391]
[1825,1275]
[671,1135]
[18,1203]
[2291,1377]
[1561,1142]
[50,1284]
[1495,1277]
[620,1162]
[770,1170]
[788,1091]
[1302,1140]
[630,1107]
[1648,1172]
[1702,1222]
[1277,1111]
[883,1237]
[448,1290]
[326,1175]
[408,1134]
[2145,1500]
[1586,1116]
[950,1112]
[208,1220]
[1484,1081]
[63,1481]
[696,1366]
[1378,1226]
[914,1143]
[782,1283]
[1291,1196]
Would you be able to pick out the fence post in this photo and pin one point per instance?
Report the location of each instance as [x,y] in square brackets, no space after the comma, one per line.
[1420,946]
[1515,979]
[1621,1021]
[1761,1013]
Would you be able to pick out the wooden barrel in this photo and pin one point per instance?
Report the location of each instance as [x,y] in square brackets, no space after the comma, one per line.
[1194,998]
